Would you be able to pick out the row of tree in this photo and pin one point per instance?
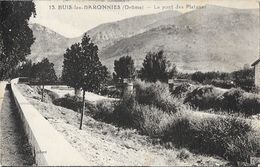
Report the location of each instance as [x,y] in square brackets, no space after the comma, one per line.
[40,73]
[155,68]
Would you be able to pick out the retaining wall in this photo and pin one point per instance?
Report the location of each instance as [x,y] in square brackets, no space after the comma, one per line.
[48,146]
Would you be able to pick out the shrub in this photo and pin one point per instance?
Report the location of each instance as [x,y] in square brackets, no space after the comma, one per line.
[69,102]
[250,104]
[231,100]
[103,110]
[235,101]
[198,77]
[203,97]
[183,154]
[156,94]
[181,90]
[229,137]
[51,94]
[244,78]
[226,84]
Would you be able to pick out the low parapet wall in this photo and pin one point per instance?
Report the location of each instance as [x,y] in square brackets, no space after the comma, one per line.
[2,92]
[48,146]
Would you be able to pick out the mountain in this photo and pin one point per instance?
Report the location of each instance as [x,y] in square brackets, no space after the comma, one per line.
[213,38]
[49,44]
[53,45]
[107,34]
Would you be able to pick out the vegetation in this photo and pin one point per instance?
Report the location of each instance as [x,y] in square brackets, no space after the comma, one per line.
[124,68]
[82,68]
[70,102]
[229,137]
[24,70]
[156,94]
[44,73]
[153,111]
[157,68]
[243,79]
[203,98]
[16,37]
[233,101]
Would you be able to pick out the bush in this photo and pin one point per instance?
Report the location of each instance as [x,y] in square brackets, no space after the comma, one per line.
[69,102]
[244,78]
[184,154]
[250,104]
[203,98]
[229,137]
[181,90]
[225,84]
[103,111]
[156,94]
[231,100]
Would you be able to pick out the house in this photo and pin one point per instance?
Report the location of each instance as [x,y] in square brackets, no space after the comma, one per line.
[256,66]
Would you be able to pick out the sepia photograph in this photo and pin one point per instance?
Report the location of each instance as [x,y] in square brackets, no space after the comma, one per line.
[130,83]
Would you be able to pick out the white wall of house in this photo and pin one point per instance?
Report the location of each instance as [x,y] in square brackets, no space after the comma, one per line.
[257,74]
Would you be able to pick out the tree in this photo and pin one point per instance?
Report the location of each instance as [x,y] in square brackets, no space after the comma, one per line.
[24,69]
[124,68]
[16,37]
[44,73]
[83,69]
[244,78]
[156,67]
[198,77]
[71,66]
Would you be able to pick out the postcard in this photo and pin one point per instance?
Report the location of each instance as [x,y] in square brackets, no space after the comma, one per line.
[130,83]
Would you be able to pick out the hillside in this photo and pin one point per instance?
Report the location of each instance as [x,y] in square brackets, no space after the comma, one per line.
[106,34]
[209,39]
[53,45]
[214,38]
[49,44]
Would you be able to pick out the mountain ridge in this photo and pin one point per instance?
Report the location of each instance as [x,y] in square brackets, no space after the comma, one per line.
[211,39]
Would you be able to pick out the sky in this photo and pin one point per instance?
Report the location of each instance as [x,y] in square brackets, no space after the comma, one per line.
[71,18]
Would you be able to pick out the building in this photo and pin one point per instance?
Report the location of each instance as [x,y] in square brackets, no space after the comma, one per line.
[256,66]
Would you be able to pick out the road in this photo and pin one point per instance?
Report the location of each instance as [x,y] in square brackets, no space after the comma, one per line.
[14,149]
